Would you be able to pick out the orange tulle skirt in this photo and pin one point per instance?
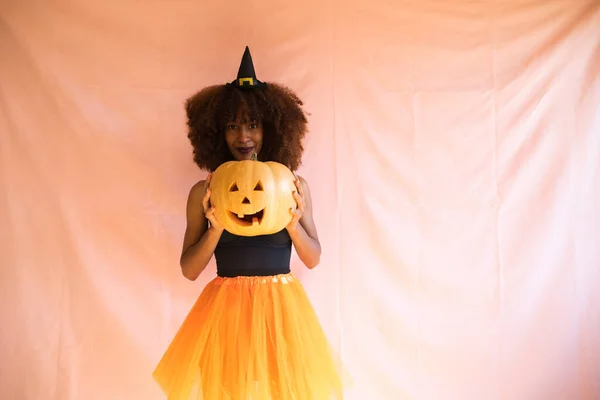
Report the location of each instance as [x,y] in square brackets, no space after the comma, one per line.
[252,338]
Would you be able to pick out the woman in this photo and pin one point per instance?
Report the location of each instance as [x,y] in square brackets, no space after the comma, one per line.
[252,333]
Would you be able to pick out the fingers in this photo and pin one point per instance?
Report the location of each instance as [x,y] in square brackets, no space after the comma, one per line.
[207,182]
[298,186]
[298,194]
[210,216]
[205,200]
[299,201]
[296,214]
[207,192]
[297,211]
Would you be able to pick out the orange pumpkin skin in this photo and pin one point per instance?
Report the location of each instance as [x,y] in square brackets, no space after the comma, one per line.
[253,198]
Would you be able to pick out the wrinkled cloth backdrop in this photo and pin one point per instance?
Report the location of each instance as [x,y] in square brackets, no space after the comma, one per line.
[453,158]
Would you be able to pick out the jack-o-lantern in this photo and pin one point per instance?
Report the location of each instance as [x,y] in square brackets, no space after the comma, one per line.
[252,197]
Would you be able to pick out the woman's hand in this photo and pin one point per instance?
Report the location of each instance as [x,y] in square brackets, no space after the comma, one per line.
[302,228]
[299,211]
[209,210]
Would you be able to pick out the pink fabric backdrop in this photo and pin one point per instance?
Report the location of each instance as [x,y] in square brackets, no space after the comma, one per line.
[454,161]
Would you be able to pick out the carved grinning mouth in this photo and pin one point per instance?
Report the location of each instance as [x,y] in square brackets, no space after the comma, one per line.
[247,219]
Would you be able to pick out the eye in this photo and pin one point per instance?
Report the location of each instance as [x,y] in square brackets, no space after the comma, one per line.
[253,126]
[233,187]
[231,127]
[259,186]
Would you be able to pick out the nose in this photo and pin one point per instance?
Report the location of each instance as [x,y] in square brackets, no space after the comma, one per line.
[244,135]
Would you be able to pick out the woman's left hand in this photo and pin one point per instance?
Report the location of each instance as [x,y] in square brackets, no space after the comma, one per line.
[299,211]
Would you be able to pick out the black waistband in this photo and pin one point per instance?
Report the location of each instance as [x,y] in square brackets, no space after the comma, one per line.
[232,273]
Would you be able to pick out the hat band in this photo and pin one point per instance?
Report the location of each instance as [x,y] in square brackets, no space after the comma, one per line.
[250,81]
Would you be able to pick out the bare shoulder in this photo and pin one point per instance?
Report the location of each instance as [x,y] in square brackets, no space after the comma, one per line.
[198,188]
[197,192]
[195,208]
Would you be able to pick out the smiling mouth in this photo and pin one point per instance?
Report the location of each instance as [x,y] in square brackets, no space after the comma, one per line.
[247,219]
[245,150]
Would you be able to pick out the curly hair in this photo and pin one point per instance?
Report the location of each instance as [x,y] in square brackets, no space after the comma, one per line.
[276,107]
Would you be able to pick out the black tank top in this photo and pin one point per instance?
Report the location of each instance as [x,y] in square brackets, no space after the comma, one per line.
[253,256]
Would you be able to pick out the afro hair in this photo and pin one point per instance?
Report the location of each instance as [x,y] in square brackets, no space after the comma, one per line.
[276,107]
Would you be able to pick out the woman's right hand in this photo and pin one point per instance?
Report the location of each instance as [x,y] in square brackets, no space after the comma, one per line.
[209,210]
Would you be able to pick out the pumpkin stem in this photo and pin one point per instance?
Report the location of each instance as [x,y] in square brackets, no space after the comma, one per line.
[254,157]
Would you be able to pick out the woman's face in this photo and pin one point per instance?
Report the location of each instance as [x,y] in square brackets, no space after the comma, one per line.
[244,138]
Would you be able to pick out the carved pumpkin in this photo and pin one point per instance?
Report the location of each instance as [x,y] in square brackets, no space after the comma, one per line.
[252,197]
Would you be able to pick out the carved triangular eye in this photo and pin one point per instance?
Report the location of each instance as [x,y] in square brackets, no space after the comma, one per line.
[259,186]
[233,187]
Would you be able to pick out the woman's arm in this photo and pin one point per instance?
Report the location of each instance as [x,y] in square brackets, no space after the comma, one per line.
[302,228]
[200,240]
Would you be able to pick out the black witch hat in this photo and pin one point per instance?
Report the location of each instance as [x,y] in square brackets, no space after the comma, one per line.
[246,77]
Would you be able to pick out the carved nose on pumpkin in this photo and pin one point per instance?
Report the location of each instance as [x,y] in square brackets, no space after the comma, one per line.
[245,201]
